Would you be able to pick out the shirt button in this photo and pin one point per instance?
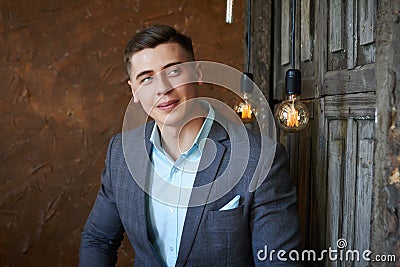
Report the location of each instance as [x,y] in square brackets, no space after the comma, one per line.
[171,248]
[171,209]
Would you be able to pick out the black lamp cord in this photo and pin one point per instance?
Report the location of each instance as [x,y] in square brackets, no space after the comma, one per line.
[248,35]
[293,34]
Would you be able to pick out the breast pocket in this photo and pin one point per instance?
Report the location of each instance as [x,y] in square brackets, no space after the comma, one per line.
[227,236]
[225,220]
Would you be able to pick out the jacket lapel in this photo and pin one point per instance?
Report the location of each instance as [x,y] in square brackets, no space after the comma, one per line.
[202,189]
[139,167]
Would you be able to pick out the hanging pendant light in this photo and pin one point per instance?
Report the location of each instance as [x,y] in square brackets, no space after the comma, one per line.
[292,115]
[246,108]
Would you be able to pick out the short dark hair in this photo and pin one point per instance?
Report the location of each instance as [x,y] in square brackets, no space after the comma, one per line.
[152,37]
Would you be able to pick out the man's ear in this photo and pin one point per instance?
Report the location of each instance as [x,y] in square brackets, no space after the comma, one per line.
[135,98]
[199,74]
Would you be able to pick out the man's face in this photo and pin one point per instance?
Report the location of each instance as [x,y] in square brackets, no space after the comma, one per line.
[156,83]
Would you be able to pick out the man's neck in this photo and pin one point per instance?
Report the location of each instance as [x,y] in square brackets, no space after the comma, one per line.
[177,140]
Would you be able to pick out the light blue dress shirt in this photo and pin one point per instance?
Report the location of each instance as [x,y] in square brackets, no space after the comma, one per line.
[165,221]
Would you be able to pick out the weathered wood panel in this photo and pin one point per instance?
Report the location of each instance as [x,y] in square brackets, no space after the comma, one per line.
[333,13]
[276,91]
[335,25]
[344,81]
[366,47]
[335,173]
[352,40]
[306,40]
[359,106]
[319,183]
[350,120]
[365,175]
[367,10]
[285,32]
[350,174]
[304,174]
[309,62]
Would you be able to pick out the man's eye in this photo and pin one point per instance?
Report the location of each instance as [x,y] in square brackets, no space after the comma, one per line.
[173,72]
[146,80]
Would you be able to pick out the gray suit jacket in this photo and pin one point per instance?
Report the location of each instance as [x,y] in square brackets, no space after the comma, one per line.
[265,217]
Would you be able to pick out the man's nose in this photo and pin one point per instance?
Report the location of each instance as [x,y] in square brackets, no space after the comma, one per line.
[163,85]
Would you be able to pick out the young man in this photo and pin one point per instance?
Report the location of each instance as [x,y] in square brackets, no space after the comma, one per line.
[150,192]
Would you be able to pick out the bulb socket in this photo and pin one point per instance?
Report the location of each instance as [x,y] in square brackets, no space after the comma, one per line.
[246,82]
[293,82]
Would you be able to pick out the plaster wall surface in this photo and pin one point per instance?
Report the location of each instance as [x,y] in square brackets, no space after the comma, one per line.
[63,95]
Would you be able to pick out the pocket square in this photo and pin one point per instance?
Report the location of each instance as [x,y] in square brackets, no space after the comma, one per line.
[234,203]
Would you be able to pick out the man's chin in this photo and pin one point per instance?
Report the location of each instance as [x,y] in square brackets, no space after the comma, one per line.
[171,121]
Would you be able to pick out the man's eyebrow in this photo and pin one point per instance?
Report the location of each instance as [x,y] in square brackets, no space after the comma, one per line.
[143,73]
[165,67]
[171,64]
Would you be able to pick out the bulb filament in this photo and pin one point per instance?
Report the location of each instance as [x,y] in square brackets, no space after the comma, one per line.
[292,116]
[246,111]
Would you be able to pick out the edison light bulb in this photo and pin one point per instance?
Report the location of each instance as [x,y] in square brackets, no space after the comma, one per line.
[292,115]
[245,110]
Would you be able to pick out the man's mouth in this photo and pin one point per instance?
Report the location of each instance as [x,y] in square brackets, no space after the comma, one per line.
[168,105]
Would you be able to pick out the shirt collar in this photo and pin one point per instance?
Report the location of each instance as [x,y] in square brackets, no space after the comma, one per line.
[198,141]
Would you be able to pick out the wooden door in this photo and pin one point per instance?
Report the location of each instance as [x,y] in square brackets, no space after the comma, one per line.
[331,160]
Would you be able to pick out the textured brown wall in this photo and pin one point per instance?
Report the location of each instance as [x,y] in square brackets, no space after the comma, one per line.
[386,210]
[63,94]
